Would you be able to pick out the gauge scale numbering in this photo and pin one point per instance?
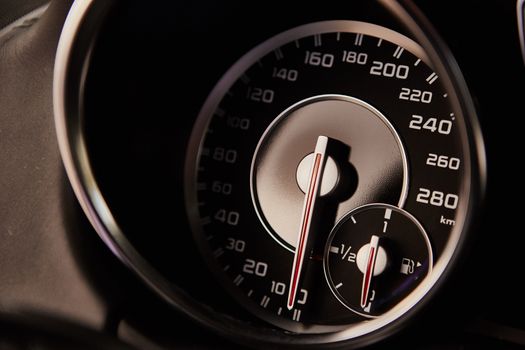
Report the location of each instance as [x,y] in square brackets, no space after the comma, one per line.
[327,177]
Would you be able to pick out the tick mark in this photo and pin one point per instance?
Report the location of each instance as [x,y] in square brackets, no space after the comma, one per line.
[431,78]
[278,54]
[238,280]
[398,52]
[205,220]
[218,252]
[245,79]
[220,112]
[317,40]
[296,315]
[358,39]
[265,300]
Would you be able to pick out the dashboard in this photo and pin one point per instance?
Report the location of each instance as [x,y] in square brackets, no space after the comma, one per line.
[216,174]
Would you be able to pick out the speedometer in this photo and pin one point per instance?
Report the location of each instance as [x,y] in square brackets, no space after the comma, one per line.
[328,178]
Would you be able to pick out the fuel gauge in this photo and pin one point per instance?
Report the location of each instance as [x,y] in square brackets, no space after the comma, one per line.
[375,257]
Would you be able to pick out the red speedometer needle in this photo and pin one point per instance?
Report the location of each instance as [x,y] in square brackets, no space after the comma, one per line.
[314,182]
[369,271]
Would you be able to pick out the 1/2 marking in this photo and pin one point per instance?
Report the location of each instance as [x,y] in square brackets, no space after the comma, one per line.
[347,254]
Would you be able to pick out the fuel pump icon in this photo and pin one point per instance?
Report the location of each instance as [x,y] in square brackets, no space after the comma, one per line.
[407,266]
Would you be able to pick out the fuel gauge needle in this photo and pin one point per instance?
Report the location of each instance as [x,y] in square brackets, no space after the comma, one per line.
[314,182]
[369,271]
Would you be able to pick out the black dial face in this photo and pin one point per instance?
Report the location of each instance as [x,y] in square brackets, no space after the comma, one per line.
[376,256]
[304,129]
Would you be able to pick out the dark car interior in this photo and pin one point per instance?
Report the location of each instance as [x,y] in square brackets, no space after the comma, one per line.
[212,174]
